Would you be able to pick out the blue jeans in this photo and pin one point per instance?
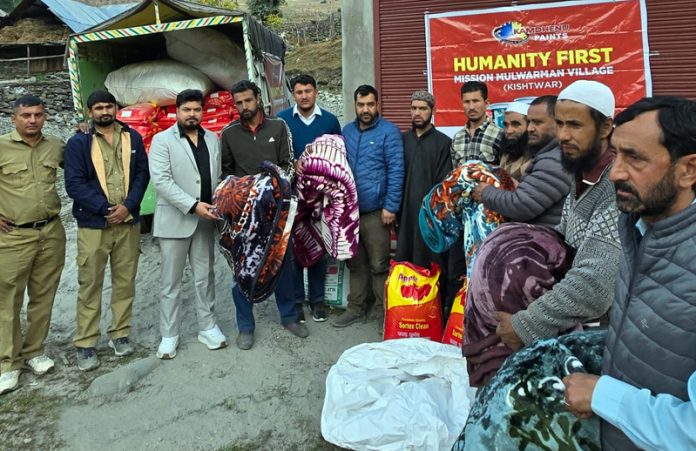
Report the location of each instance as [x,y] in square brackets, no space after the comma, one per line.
[315,277]
[284,300]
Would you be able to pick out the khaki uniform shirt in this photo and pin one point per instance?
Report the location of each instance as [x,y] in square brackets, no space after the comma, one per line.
[113,165]
[28,178]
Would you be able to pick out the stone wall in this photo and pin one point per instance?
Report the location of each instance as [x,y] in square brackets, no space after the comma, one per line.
[53,88]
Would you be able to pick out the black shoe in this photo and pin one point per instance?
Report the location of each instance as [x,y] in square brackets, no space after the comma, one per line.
[300,313]
[318,312]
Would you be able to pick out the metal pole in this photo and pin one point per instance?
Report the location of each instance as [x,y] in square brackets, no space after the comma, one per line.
[28,61]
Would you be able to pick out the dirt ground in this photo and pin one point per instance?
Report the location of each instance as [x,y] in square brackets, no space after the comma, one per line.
[322,60]
[268,398]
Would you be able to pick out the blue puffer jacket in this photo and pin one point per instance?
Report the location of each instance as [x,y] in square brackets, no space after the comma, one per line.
[376,157]
[89,201]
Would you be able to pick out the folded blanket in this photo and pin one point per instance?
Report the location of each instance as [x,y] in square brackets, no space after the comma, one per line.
[514,266]
[257,212]
[522,407]
[448,208]
[328,218]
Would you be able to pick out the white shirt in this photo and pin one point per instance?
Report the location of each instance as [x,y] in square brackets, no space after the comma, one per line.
[310,119]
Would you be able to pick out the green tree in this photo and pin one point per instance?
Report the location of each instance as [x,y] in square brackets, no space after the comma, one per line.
[227,4]
[262,9]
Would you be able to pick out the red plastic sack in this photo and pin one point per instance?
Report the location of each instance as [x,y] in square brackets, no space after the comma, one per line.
[219,98]
[166,111]
[141,113]
[217,112]
[215,125]
[413,302]
[454,331]
[166,121]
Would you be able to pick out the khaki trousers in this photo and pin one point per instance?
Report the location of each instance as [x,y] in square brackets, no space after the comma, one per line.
[118,244]
[370,267]
[32,260]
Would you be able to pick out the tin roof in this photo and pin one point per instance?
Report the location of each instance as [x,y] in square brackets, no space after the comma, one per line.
[79,16]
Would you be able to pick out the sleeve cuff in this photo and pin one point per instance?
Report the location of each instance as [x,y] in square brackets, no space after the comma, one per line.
[607,397]
[518,325]
[192,210]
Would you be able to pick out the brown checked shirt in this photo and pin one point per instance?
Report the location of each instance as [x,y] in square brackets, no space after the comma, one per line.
[28,178]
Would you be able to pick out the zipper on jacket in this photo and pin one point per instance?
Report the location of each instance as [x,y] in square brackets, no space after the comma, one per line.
[629,294]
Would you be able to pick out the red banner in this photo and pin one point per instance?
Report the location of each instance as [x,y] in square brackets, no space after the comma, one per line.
[532,50]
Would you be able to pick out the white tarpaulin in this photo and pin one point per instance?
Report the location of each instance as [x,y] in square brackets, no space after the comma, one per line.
[407,394]
[156,82]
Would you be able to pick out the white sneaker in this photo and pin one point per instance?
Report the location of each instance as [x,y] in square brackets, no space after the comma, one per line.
[167,348]
[9,381]
[39,365]
[212,338]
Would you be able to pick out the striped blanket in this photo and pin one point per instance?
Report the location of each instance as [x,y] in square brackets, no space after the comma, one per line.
[327,203]
[258,213]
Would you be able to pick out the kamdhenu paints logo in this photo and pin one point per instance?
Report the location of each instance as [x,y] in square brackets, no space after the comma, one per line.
[515,33]
[511,33]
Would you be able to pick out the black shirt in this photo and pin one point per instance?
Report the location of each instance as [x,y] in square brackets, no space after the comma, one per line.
[202,157]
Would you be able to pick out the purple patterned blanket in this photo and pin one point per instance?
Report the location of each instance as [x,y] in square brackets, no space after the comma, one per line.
[328,218]
[514,266]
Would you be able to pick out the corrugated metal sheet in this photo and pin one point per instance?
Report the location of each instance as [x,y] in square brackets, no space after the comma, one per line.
[79,17]
[672,41]
[400,58]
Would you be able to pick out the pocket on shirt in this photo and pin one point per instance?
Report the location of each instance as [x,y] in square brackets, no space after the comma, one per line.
[49,169]
[16,175]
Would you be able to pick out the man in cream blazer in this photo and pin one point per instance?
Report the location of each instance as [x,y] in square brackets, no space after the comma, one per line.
[184,168]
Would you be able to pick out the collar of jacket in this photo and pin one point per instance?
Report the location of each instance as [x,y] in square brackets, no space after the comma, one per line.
[262,120]
[124,127]
[677,224]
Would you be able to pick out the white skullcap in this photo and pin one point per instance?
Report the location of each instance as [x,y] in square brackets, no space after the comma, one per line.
[591,93]
[517,107]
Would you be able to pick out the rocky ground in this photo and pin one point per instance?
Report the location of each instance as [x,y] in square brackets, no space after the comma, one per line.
[267,398]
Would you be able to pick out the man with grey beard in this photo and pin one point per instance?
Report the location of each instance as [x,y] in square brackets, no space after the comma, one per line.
[646,394]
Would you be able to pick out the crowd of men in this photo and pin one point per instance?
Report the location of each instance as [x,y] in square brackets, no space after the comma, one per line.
[621,192]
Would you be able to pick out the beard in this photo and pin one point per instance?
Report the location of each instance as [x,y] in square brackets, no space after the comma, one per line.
[423,125]
[367,118]
[658,198]
[515,148]
[190,124]
[248,115]
[584,162]
[104,121]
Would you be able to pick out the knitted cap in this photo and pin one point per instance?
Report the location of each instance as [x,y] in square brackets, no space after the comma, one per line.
[424,96]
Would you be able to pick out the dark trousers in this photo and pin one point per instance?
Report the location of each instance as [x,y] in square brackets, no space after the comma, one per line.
[315,282]
[370,267]
[283,295]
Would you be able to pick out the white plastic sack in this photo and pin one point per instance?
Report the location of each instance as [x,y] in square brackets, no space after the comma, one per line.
[209,51]
[156,82]
[409,394]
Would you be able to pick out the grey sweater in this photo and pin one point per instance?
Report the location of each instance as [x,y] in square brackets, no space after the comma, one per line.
[540,195]
[589,224]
